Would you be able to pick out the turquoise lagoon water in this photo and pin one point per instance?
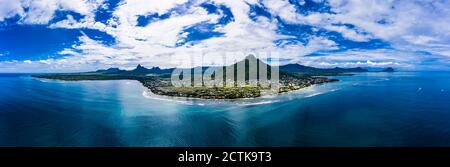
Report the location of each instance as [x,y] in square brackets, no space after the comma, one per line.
[368,109]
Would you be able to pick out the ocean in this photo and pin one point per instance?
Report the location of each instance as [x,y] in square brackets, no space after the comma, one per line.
[367,109]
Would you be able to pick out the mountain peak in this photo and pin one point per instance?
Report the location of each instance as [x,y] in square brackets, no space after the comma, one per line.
[110,70]
[251,56]
[155,68]
[140,67]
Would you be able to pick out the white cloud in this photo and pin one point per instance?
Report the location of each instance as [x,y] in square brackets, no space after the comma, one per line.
[153,44]
[6,53]
[46,62]
[419,39]
[9,8]
[401,22]
[407,25]
[400,59]
[358,64]
[348,33]
[282,8]
[42,11]
[129,10]
[71,23]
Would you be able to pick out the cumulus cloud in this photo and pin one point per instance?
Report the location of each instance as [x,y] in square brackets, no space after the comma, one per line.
[42,11]
[416,24]
[153,43]
[408,26]
[10,8]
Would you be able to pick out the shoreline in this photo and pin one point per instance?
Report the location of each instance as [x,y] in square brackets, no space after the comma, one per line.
[161,88]
[307,92]
[212,99]
[226,94]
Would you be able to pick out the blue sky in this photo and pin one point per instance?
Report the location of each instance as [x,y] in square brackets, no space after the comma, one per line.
[81,35]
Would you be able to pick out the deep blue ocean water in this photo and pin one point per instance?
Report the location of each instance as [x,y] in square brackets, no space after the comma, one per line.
[368,109]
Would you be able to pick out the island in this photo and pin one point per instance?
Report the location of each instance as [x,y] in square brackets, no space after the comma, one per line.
[158,81]
[388,69]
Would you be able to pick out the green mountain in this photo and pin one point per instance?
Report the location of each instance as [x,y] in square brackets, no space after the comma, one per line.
[111,71]
[140,72]
[289,68]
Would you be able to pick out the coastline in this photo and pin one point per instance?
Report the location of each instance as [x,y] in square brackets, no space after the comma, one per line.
[161,84]
[306,92]
[242,94]
[147,90]
[286,84]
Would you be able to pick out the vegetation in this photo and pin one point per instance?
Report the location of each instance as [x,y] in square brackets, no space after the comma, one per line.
[292,77]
